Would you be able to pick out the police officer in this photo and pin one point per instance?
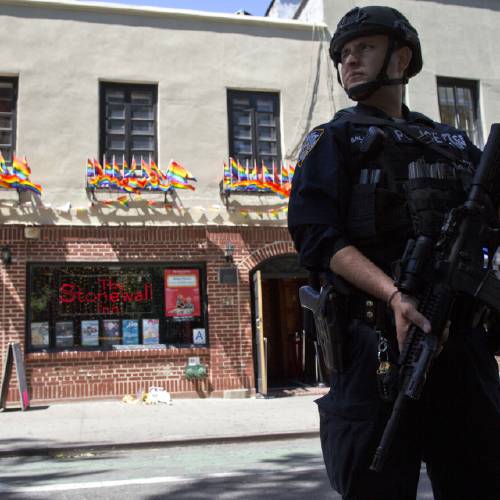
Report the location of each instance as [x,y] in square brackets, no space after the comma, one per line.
[366,182]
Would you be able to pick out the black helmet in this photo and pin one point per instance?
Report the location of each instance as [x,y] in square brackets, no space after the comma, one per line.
[378,20]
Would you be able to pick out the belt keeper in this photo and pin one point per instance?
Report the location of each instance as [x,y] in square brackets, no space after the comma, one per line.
[389,300]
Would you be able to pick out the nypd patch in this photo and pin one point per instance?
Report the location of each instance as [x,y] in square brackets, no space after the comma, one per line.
[308,145]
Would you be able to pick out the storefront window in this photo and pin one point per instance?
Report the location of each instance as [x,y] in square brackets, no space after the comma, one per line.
[99,306]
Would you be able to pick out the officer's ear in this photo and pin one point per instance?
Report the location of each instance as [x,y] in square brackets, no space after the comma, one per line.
[404,55]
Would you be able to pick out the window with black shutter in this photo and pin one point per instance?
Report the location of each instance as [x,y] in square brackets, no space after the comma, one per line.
[128,123]
[8,112]
[254,132]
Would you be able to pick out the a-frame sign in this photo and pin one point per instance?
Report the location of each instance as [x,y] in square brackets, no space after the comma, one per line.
[14,355]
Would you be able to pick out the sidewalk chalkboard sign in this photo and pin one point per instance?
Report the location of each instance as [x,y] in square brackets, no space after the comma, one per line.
[14,355]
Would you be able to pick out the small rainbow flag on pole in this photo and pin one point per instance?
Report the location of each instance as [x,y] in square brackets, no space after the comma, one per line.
[17,176]
[179,176]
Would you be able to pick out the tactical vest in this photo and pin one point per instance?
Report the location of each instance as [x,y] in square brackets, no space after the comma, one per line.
[401,187]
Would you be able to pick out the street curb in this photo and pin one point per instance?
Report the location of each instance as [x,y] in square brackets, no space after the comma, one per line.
[75,450]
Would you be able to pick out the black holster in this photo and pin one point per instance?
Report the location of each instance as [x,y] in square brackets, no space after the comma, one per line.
[329,321]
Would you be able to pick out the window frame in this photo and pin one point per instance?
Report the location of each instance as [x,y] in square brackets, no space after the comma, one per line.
[204,318]
[253,95]
[15,86]
[473,86]
[127,88]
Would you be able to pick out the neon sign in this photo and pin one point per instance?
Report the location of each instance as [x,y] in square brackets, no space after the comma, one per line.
[108,297]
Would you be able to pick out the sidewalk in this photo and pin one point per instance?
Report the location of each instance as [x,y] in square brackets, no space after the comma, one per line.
[66,427]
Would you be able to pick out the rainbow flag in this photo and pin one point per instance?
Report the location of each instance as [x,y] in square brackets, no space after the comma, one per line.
[123,200]
[97,168]
[12,181]
[149,171]
[154,167]
[17,177]
[284,174]
[3,166]
[266,181]
[133,167]
[125,169]
[90,168]
[267,176]
[116,169]
[253,172]
[276,173]
[226,180]
[30,186]
[235,174]
[20,167]
[179,176]
[108,169]
[153,179]
[238,170]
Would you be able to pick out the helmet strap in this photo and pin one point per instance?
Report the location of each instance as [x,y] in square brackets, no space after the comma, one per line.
[365,90]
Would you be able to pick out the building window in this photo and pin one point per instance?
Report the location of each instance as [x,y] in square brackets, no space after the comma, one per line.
[8,112]
[128,123]
[110,306]
[458,106]
[254,133]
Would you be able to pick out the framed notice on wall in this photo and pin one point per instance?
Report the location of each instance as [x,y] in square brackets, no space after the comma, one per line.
[40,334]
[64,333]
[182,293]
[151,331]
[90,332]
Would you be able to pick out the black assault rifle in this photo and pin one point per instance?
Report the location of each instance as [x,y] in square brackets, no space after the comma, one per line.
[438,272]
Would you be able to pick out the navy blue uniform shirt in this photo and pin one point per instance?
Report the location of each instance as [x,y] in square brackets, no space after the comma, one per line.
[327,169]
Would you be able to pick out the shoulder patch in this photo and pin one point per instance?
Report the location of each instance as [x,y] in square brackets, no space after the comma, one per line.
[310,141]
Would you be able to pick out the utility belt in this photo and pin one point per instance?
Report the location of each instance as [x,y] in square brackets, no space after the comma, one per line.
[334,313]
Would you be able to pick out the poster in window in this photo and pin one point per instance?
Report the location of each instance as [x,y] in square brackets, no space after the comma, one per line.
[64,334]
[40,334]
[151,331]
[90,332]
[130,330]
[111,332]
[182,293]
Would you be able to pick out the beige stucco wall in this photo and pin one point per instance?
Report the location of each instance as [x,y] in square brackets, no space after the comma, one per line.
[61,51]
[460,39]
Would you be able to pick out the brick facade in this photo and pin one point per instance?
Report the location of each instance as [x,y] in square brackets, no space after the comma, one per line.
[100,374]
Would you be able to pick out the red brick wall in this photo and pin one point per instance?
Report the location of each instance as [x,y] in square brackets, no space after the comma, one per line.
[67,375]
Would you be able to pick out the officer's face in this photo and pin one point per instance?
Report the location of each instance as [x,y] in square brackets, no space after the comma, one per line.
[362,58]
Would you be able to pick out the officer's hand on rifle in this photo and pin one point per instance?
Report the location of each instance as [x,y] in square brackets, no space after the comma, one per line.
[406,314]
